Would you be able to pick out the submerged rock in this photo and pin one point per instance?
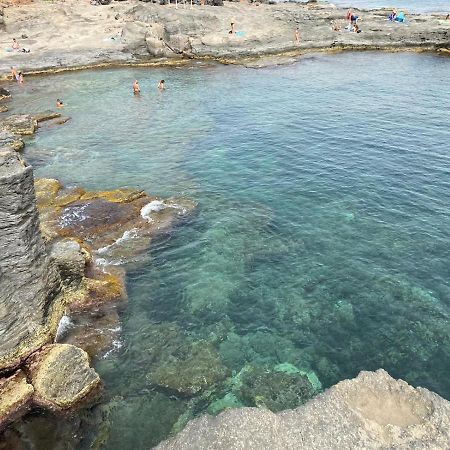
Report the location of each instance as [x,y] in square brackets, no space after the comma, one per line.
[4,93]
[373,411]
[15,397]
[200,368]
[274,390]
[61,377]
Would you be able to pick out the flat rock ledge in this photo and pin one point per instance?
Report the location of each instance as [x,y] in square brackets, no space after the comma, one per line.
[372,411]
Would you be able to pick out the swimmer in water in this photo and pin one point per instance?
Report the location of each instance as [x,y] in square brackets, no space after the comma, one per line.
[59,103]
[136,88]
[162,85]
[20,78]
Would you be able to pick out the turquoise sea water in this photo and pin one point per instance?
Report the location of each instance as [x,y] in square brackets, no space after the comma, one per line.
[322,234]
[416,6]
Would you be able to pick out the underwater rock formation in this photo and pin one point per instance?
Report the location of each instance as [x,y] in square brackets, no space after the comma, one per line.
[29,281]
[371,411]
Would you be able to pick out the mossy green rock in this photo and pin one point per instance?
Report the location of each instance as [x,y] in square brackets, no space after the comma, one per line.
[274,390]
[194,371]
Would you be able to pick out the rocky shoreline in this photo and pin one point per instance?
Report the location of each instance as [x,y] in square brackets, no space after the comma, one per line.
[134,32]
[62,256]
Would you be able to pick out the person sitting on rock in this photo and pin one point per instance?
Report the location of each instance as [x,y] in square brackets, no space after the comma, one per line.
[136,88]
[162,85]
[393,15]
[59,103]
[15,44]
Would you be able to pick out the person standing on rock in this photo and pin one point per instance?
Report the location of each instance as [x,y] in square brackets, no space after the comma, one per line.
[14,75]
[136,88]
[20,78]
[15,44]
[297,36]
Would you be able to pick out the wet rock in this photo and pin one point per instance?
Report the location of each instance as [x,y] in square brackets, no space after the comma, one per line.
[274,390]
[4,93]
[19,124]
[30,305]
[198,369]
[3,108]
[61,377]
[373,411]
[15,397]
[45,116]
[11,141]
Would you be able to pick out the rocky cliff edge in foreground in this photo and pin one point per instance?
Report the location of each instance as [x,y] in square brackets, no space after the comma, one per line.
[372,411]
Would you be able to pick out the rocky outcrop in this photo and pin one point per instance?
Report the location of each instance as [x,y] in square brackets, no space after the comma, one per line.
[22,124]
[10,141]
[373,411]
[29,282]
[15,397]
[61,377]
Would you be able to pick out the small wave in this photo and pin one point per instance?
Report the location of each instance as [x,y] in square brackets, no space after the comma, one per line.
[116,346]
[73,215]
[156,206]
[127,235]
[63,327]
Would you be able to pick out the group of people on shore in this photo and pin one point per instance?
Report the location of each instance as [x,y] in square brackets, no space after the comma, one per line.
[137,88]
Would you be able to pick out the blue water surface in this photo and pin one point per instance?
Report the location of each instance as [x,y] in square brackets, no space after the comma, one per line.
[322,237]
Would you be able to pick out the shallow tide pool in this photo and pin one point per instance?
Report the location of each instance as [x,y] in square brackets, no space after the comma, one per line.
[322,237]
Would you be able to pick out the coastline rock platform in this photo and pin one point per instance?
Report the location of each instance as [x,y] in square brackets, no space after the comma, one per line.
[372,411]
[130,32]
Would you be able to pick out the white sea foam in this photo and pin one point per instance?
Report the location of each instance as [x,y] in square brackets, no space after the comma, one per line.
[116,345]
[156,206]
[127,235]
[64,325]
[74,214]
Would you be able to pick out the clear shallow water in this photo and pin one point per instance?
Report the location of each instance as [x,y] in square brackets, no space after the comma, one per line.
[322,237]
[416,6]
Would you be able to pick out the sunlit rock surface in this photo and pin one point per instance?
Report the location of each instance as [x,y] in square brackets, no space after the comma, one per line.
[372,411]
[29,282]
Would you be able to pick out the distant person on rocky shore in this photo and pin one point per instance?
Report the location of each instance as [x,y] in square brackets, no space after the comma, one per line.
[136,88]
[297,36]
[14,75]
[162,85]
[15,44]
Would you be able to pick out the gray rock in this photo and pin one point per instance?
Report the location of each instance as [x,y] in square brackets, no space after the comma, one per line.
[22,124]
[29,283]
[11,140]
[373,411]
[70,260]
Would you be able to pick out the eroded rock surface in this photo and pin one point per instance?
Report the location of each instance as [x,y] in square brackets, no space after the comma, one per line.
[62,377]
[29,282]
[372,411]
[22,124]
[15,397]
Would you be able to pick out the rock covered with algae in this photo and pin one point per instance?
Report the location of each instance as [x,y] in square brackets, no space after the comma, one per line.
[372,411]
[198,369]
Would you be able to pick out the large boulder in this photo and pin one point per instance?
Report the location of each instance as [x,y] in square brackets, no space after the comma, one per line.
[373,411]
[62,377]
[29,282]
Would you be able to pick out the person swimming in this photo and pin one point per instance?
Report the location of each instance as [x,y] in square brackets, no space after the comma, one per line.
[162,85]
[20,78]
[59,103]
[136,88]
